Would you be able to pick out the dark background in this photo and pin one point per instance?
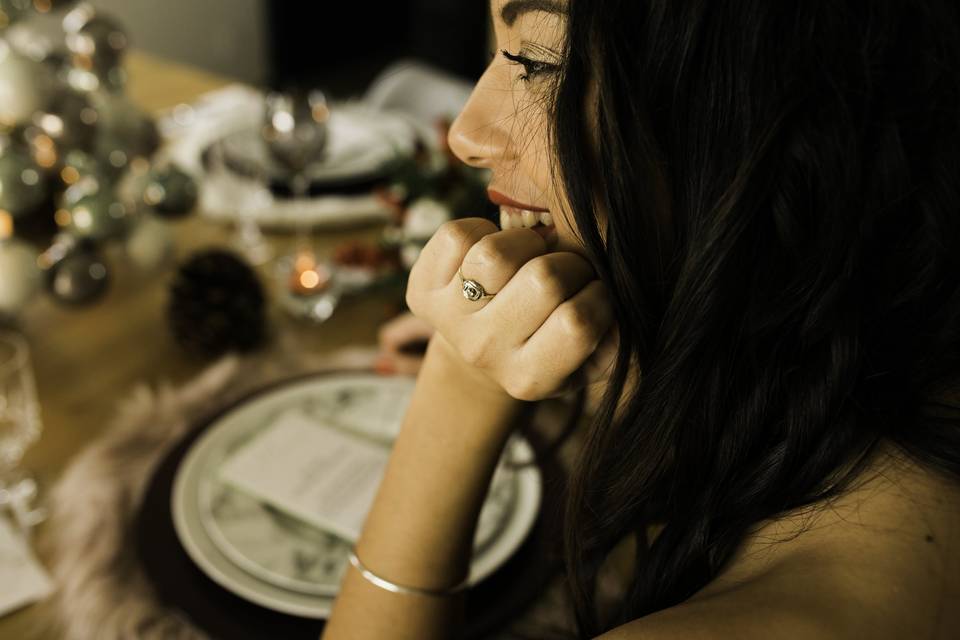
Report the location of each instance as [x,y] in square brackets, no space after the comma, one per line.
[342,45]
[338,46]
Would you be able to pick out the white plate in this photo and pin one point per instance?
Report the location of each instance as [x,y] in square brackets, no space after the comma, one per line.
[226,197]
[289,567]
[362,144]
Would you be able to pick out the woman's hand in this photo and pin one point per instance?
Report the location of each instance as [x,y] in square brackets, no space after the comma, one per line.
[548,328]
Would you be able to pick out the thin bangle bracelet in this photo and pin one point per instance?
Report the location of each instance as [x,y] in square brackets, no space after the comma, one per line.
[393,587]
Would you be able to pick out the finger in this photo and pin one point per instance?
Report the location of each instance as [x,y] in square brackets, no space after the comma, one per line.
[600,365]
[539,287]
[444,253]
[403,330]
[495,259]
[571,334]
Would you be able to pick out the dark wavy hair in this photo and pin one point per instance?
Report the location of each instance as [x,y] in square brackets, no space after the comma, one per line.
[780,184]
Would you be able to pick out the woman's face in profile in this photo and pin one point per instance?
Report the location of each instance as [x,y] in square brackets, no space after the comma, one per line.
[504,125]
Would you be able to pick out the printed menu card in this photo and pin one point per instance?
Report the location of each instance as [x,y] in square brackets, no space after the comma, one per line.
[319,473]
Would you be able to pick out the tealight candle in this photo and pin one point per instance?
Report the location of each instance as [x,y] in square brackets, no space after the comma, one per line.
[308,277]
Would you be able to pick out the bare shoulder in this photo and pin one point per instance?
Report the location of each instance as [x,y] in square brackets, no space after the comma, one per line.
[881,561]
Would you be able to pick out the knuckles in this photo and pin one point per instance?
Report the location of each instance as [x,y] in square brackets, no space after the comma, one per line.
[545,278]
[577,319]
[460,235]
[492,252]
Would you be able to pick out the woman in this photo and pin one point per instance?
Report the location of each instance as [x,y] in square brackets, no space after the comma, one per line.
[755,251]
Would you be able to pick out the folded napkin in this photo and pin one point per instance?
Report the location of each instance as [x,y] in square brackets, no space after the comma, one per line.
[22,579]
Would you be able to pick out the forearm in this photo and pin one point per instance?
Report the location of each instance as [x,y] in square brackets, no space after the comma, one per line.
[420,530]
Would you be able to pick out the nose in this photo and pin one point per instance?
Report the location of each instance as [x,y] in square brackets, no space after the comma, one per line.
[480,134]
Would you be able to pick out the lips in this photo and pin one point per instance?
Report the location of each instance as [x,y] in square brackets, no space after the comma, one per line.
[517,215]
[505,201]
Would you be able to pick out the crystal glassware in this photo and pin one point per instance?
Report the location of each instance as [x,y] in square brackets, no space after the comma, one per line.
[251,196]
[20,426]
[295,135]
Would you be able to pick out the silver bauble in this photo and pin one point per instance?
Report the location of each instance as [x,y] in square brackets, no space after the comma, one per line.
[91,210]
[79,165]
[149,245]
[86,80]
[23,187]
[80,277]
[97,41]
[170,191]
[19,276]
[69,124]
[125,131]
[96,44]
[26,86]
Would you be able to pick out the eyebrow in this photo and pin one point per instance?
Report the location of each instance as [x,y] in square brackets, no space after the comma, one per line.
[515,8]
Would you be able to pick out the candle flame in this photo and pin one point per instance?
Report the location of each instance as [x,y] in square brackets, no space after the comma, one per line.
[6,224]
[310,279]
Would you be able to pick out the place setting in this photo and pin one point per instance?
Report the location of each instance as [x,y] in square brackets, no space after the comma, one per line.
[262,502]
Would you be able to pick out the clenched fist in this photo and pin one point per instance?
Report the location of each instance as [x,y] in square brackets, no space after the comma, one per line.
[549,326]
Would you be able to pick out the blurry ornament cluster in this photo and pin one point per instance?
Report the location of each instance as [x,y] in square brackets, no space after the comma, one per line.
[77,160]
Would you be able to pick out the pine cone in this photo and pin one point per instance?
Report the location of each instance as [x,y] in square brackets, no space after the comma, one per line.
[217,305]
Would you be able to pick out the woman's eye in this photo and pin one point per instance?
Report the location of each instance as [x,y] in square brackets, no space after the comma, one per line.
[531,68]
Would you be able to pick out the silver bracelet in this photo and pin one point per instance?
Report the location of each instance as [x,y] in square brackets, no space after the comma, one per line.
[393,587]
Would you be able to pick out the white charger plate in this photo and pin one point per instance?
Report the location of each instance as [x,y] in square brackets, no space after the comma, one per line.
[298,570]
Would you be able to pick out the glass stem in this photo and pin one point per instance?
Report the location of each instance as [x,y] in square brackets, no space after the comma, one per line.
[300,186]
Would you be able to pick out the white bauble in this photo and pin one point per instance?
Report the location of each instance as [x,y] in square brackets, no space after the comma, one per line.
[150,245]
[20,276]
[423,218]
[409,254]
[26,86]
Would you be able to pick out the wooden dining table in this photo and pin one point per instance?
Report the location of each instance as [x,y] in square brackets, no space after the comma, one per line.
[86,359]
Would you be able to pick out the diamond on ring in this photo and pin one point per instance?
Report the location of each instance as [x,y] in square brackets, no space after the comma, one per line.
[473,290]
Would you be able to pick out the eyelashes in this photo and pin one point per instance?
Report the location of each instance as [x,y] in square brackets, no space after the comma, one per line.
[532,69]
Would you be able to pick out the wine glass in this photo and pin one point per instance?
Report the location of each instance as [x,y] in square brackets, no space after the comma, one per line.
[20,427]
[295,134]
[251,196]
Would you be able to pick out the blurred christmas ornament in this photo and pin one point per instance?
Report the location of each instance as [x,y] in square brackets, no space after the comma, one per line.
[23,189]
[78,165]
[13,10]
[26,86]
[40,40]
[91,209]
[97,44]
[18,267]
[68,124]
[124,132]
[217,305]
[79,279]
[169,191]
[424,217]
[150,244]
[76,274]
